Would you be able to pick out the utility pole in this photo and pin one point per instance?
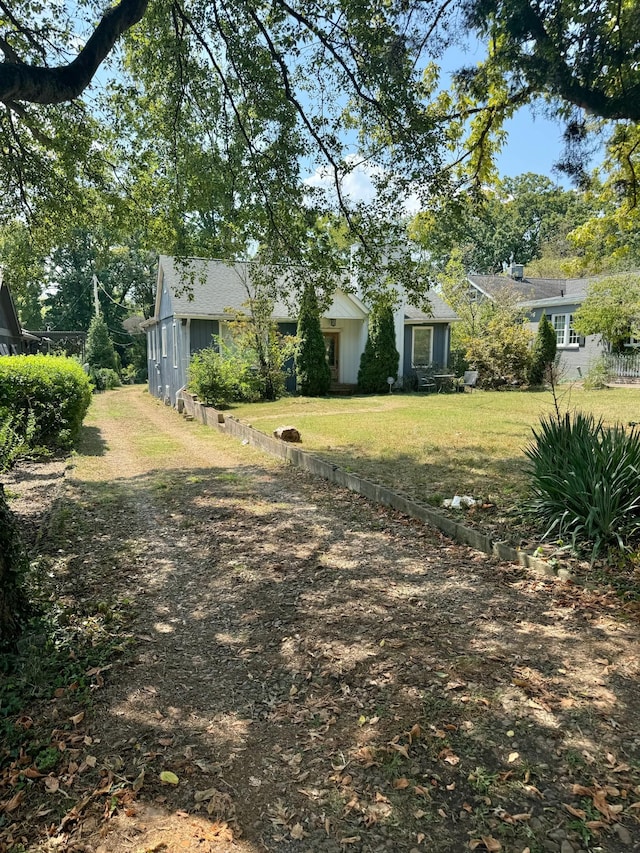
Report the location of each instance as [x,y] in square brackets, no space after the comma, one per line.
[96,304]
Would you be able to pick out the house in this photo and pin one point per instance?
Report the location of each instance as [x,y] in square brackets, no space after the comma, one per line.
[559,299]
[195,300]
[13,339]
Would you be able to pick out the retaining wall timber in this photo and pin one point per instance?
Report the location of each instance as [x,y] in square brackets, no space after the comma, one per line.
[372,491]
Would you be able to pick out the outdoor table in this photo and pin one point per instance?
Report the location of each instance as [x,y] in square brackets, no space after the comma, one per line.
[444,381]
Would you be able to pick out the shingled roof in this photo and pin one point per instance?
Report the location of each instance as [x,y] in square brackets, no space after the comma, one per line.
[532,289]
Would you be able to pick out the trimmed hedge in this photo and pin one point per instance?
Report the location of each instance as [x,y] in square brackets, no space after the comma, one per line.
[54,390]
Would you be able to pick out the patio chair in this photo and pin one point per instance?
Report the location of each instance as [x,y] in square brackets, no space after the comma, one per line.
[469,380]
[425,379]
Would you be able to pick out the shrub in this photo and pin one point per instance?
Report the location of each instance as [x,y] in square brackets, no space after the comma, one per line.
[380,358]
[16,438]
[312,371]
[585,481]
[104,378]
[543,352]
[53,391]
[598,375]
[220,380]
[14,606]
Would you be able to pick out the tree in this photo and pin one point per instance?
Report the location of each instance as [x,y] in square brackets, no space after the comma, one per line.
[516,219]
[99,351]
[492,335]
[312,370]
[543,352]
[580,60]
[380,358]
[611,310]
[255,333]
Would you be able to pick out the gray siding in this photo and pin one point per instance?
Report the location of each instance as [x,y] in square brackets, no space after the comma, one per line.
[201,334]
[440,356]
[574,360]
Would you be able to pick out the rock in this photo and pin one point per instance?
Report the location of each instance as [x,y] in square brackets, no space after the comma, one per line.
[287,433]
[567,847]
[623,833]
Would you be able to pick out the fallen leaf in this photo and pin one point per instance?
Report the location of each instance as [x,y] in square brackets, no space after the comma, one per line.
[399,748]
[52,784]
[12,804]
[297,832]
[579,813]
[201,796]
[169,777]
[77,718]
[513,756]
[401,783]
[492,844]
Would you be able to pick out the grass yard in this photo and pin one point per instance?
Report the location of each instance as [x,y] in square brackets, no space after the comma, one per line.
[435,446]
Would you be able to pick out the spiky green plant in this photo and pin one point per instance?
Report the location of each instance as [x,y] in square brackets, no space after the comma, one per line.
[585,481]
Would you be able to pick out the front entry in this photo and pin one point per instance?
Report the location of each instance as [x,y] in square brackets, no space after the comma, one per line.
[332,349]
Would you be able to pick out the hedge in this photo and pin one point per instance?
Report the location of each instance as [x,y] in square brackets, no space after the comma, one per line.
[53,389]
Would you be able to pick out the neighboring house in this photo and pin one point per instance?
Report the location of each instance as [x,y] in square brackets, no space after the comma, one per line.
[13,339]
[195,299]
[559,299]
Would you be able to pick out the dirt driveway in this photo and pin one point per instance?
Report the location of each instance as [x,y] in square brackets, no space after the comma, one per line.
[298,670]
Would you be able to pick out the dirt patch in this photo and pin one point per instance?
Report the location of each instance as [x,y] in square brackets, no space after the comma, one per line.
[301,671]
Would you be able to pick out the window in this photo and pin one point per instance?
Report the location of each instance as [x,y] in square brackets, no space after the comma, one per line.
[175,346]
[164,341]
[566,335]
[422,350]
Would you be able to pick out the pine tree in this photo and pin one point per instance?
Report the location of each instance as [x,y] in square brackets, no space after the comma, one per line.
[380,358]
[312,371]
[543,353]
[100,351]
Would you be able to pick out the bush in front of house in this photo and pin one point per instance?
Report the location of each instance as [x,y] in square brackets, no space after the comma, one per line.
[543,353]
[380,358]
[313,374]
[51,392]
[221,379]
[585,481]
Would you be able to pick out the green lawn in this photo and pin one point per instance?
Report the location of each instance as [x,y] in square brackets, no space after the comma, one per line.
[437,445]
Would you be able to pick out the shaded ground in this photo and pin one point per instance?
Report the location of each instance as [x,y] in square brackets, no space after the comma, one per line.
[274,664]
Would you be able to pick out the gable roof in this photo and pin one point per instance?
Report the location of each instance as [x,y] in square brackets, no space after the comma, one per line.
[200,287]
[208,288]
[440,312]
[533,290]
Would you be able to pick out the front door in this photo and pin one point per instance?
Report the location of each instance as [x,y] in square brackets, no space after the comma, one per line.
[332,349]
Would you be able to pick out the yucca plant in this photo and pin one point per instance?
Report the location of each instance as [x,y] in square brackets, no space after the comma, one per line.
[585,481]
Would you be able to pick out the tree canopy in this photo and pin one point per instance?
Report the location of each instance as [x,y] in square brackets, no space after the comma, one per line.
[219,126]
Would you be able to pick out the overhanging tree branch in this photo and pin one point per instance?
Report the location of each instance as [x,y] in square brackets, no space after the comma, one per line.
[39,85]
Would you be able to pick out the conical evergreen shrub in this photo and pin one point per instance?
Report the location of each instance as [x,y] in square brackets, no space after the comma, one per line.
[312,371]
[380,358]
